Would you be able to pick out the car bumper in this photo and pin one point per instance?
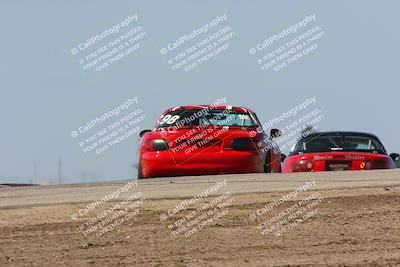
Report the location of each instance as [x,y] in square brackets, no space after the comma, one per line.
[168,164]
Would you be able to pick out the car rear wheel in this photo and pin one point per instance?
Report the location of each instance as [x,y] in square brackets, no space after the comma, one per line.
[267,163]
[140,173]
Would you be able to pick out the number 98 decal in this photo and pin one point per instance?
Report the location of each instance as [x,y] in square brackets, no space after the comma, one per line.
[169,119]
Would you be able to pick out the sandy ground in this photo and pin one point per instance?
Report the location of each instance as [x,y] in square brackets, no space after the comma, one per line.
[349,227]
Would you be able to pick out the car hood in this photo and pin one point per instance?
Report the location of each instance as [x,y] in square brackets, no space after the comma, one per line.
[202,133]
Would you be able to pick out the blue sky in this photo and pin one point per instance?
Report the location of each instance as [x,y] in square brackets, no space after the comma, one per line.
[45,93]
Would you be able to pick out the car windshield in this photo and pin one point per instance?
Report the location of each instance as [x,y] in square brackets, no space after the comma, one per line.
[326,143]
[190,118]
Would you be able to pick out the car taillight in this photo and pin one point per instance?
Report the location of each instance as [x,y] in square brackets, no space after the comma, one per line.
[375,164]
[156,145]
[303,166]
[243,144]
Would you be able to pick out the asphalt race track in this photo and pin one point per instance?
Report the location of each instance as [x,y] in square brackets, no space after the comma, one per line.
[186,187]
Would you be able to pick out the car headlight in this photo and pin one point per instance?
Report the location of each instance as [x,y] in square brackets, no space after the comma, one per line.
[156,145]
[243,144]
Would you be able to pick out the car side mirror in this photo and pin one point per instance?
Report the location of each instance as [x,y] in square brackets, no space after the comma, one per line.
[394,156]
[283,157]
[275,133]
[143,132]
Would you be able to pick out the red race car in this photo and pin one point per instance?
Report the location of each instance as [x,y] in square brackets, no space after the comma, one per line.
[200,140]
[338,151]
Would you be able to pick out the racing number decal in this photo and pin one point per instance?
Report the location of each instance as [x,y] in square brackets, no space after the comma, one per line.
[173,119]
[169,119]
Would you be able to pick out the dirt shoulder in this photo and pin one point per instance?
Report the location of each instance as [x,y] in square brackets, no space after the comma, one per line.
[351,227]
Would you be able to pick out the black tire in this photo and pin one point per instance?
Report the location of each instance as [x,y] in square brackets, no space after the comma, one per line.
[140,173]
[267,163]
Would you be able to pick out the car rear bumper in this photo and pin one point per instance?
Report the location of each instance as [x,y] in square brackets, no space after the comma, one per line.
[337,161]
[175,164]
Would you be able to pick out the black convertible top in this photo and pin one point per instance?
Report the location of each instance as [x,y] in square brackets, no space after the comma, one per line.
[339,133]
